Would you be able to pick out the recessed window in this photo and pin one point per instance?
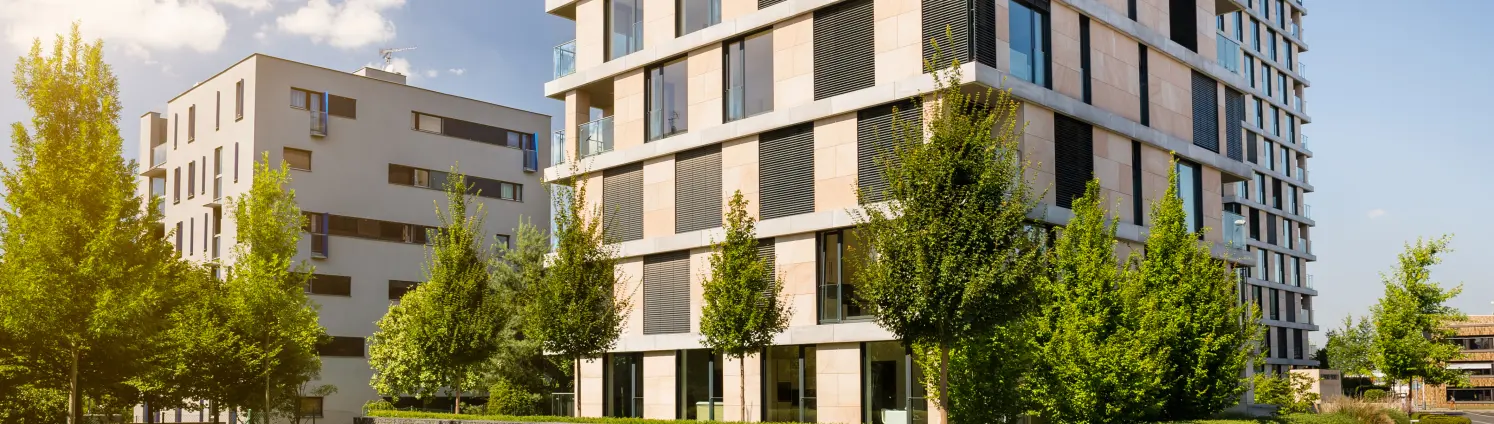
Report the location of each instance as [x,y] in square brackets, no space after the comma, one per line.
[1189,187]
[1029,44]
[330,285]
[191,123]
[502,240]
[841,254]
[297,159]
[891,384]
[791,374]
[309,407]
[217,110]
[624,27]
[398,289]
[699,382]
[427,123]
[238,101]
[350,347]
[666,101]
[303,99]
[176,186]
[192,179]
[695,15]
[749,76]
[623,377]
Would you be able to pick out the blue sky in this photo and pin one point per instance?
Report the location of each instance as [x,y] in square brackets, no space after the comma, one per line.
[1396,99]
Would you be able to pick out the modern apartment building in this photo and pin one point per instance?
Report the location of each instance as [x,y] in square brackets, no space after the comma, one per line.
[368,155]
[1476,337]
[673,105]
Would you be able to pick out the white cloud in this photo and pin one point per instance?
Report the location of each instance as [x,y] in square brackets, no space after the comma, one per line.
[253,6]
[1376,213]
[138,25]
[432,73]
[262,33]
[349,24]
[457,71]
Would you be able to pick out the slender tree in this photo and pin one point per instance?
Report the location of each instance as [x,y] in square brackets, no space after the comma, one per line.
[1411,331]
[266,298]
[743,304]
[1204,331]
[952,253]
[1352,348]
[84,290]
[1097,362]
[444,332]
[521,373]
[577,311]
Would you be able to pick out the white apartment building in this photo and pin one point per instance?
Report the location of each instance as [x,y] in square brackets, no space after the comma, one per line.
[368,155]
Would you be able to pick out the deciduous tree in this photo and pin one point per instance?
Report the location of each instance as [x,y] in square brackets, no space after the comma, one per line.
[1352,348]
[1411,331]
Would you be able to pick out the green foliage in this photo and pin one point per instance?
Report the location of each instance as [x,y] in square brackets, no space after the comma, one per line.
[541,418]
[520,363]
[952,254]
[1375,395]
[1352,348]
[442,334]
[744,308]
[1398,416]
[988,372]
[575,310]
[1410,321]
[85,283]
[510,399]
[1442,419]
[377,405]
[268,310]
[1203,331]
[1099,360]
[1291,394]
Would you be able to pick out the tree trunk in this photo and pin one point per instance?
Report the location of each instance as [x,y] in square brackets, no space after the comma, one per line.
[741,386]
[74,398]
[943,402]
[576,385]
[213,410]
[150,416]
[266,412]
[457,406]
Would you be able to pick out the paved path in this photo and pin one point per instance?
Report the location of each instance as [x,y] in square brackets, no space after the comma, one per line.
[1480,417]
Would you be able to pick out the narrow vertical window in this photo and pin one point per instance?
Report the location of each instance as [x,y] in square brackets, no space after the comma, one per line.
[1131,9]
[1029,43]
[217,110]
[749,76]
[238,100]
[1084,59]
[176,188]
[665,100]
[191,123]
[235,162]
[1136,194]
[624,27]
[1189,188]
[191,179]
[1146,101]
[695,15]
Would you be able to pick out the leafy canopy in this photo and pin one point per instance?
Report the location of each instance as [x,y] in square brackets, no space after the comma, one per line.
[1410,321]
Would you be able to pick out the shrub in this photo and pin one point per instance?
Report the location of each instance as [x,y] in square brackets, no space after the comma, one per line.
[1361,411]
[1291,393]
[1336,418]
[378,405]
[1398,415]
[1375,395]
[1443,419]
[510,399]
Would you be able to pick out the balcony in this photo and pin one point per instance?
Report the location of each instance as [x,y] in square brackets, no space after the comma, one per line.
[217,201]
[1304,141]
[318,123]
[1302,68]
[1304,245]
[1301,174]
[1298,104]
[1228,52]
[594,138]
[1304,316]
[157,162]
[1297,31]
[531,154]
[1307,211]
[217,245]
[1234,230]
[557,148]
[1309,281]
[565,59]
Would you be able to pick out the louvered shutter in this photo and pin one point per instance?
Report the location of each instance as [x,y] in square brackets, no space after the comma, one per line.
[1205,112]
[622,202]
[666,293]
[948,22]
[875,138]
[844,48]
[763,4]
[1234,113]
[1250,146]
[697,189]
[1074,158]
[786,171]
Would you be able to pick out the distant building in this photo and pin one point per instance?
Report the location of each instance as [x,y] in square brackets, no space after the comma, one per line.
[1476,336]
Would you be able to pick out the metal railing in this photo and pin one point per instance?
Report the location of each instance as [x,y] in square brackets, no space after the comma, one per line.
[531,154]
[1234,230]
[318,123]
[595,137]
[565,59]
[557,147]
[563,404]
[1302,68]
[1309,281]
[158,155]
[1228,52]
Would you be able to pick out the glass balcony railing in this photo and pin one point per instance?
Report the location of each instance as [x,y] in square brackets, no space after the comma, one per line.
[563,404]
[1309,281]
[1234,230]
[1304,141]
[531,154]
[1296,30]
[1228,52]
[557,147]
[1298,104]
[158,155]
[1302,68]
[318,123]
[1301,174]
[1304,245]
[565,59]
[1307,211]
[594,138]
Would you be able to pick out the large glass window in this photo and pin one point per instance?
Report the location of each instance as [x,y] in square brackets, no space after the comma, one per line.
[789,384]
[1260,189]
[624,27]
[841,254]
[1188,189]
[695,15]
[699,382]
[749,76]
[1255,35]
[1275,121]
[667,114]
[1029,46]
[893,391]
[624,384]
[1271,42]
[1276,260]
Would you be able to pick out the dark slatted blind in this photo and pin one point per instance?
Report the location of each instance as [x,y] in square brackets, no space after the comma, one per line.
[763,4]
[984,32]
[398,289]
[342,106]
[786,171]
[666,293]
[1137,198]
[844,50]
[875,137]
[1270,228]
[331,285]
[351,347]
[768,252]
[1073,157]
[622,202]
[1234,113]
[697,189]
[948,22]
[1205,112]
[1250,146]
[1146,99]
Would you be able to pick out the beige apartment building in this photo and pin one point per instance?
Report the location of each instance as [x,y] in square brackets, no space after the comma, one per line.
[673,105]
[368,155]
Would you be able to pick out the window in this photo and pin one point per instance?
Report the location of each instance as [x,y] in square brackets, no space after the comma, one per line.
[666,281]
[841,254]
[1281,85]
[309,407]
[1250,70]
[1271,41]
[1260,120]
[749,76]
[1266,73]
[1029,44]
[330,285]
[235,162]
[373,229]
[1474,343]
[1255,35]
[1480,394]
[1275,121]
[297,159]
[666,102]
[699,382]
[192,179]
[1275,303]
[502,241]
[191,123]
[891,384]
[176,186]
[179,236]
[351,347]
[624,27]
[790,373]
[191,235]
[427,123]
[1270,153]
[238,100]
[302,99]
[1279,271]
[1137,199]
[1183,27]
[176,124]
[398,289]
[786,170]
[623,378]
[204,175]
[217,110]
[1260,188]
[1146,102]
[1084,60]
[1073,155]
[1239,26]
[695,15]
[1189,188]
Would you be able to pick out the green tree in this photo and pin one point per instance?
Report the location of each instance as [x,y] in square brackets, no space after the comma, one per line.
[268,309]
[444,332]
[1203,330]
[1291,393]
[575,311]
[198,356]
[85,290]
[1352,348]
[521,374]
[952,254]
[1099,361]
[1411,332]
[743,308]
